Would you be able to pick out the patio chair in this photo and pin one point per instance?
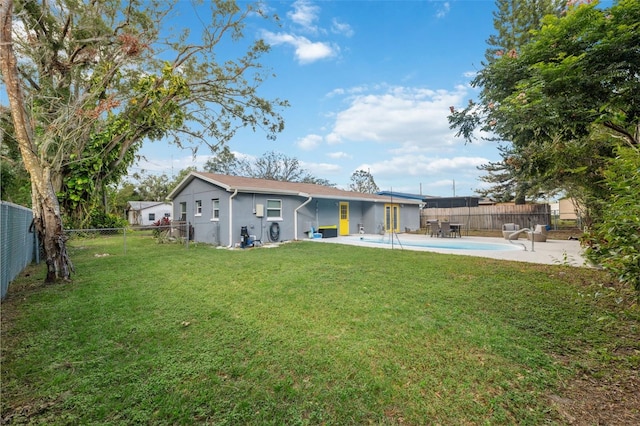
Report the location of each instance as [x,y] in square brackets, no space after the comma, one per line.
[508,229]
[432,227]
[539,234]
[445,229]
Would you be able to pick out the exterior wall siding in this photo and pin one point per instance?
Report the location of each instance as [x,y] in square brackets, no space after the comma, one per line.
[318,212]
[158,211]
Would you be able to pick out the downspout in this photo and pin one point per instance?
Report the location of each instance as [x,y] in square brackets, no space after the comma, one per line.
[295,217]
[231,217]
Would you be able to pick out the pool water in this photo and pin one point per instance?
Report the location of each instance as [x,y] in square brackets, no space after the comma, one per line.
[442,243]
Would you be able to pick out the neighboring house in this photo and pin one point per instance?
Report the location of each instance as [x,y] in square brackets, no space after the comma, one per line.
[218,206]
[432,202]
[453,202]
[403,195]
[565,209]
[144,213]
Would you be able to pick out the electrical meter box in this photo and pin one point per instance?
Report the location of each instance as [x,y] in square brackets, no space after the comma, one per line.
[259,210]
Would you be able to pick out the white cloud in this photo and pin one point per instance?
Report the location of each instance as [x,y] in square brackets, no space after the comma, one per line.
[309,142]
[422,165]
[412,116]
[305,14]
[322,169]
[430,175]
[333,139]
[306,51]
[340,91]
[338,27]
[443,10]
[339,155]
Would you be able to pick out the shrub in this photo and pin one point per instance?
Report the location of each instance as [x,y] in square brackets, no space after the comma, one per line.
[614,242]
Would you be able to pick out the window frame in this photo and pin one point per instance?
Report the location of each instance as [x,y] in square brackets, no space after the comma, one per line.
[198,208]
[215,209]
[272,209]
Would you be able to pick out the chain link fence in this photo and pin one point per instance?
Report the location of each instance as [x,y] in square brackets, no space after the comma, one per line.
[18,242]
[20,245]
[105,241]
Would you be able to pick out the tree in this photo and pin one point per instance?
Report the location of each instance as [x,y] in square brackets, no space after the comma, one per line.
[362,181]
[501,175]
[513,21]
[580,70]
[277,166]
[151,187]
[574,76]
[224,162]
[88,82]
[569,100]
[614,243]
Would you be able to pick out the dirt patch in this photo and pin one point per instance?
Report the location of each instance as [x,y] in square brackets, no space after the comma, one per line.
[607,401]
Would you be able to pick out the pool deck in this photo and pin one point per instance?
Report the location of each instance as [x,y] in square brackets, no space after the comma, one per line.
[558,252]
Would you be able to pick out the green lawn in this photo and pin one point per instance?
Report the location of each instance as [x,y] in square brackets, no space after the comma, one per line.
[305,333]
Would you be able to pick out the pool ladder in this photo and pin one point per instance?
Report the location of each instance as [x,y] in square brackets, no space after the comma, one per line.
[515,235]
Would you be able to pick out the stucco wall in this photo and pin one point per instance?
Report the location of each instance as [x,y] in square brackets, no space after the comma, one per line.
[318,212]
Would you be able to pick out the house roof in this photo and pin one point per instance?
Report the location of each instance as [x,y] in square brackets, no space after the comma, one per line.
[265,186]
[141,205]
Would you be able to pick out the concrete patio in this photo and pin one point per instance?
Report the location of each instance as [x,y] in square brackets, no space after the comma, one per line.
[559,252]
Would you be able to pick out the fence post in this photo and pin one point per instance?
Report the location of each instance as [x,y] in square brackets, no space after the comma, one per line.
[124,232]
[36,248]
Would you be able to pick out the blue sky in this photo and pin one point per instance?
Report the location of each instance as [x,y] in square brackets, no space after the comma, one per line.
[370,84]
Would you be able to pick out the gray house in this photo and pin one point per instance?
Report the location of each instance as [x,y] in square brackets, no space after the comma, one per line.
[219,206]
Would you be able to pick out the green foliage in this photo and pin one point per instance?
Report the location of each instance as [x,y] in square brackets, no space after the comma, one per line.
[568,100]
[15,185]
[223,162]
[614,242]
[564,99]
[97,219]
[105,159]
[362,181]
[151,187]
[99,78]
[514,20]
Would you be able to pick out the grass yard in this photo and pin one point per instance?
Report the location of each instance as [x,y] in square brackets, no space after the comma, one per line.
[310,333]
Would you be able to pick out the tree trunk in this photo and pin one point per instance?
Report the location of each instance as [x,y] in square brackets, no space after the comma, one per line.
[46,209]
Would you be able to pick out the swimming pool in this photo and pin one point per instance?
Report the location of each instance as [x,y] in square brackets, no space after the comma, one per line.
[453,244]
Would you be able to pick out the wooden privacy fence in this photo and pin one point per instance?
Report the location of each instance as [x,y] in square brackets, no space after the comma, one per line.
[490,217]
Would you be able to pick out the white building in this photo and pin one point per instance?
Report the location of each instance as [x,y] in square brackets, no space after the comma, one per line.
[144,213]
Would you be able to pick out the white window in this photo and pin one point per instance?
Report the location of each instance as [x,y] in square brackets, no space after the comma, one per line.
[215,209]
[183,211]
[198,207]
[274,209]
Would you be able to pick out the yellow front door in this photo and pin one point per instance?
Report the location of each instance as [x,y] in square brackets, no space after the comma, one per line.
[391,218]
[344,218]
